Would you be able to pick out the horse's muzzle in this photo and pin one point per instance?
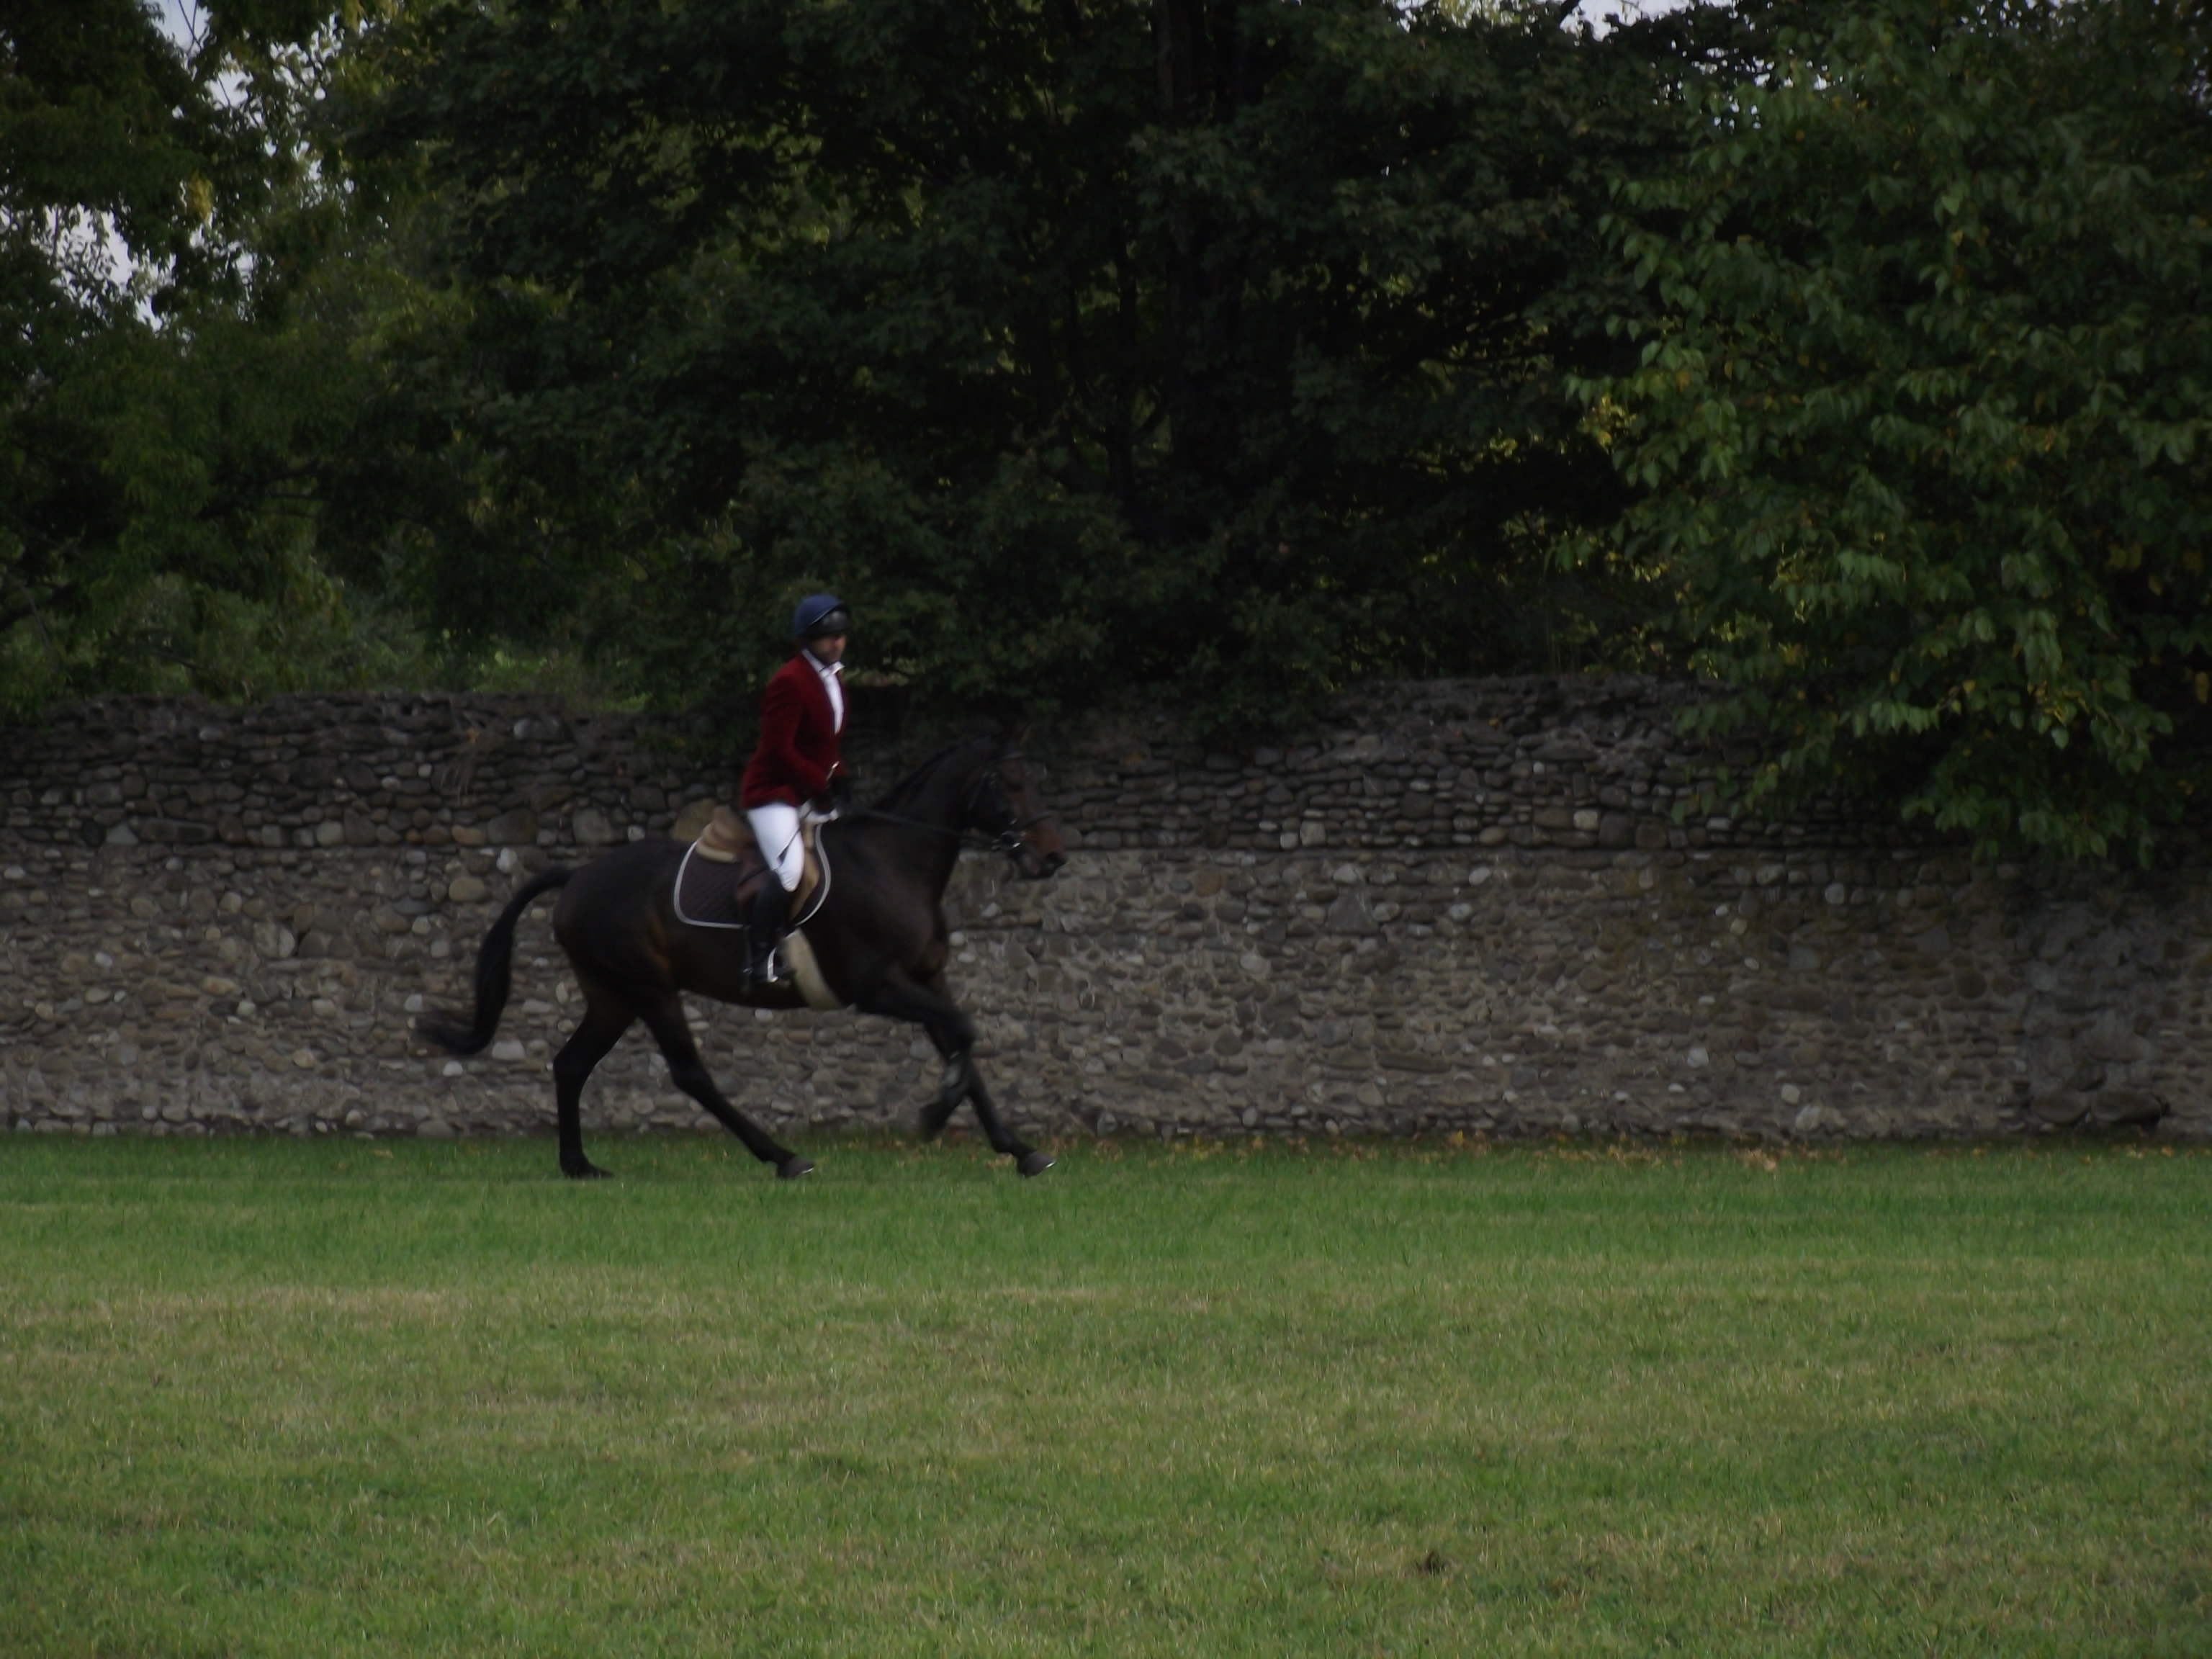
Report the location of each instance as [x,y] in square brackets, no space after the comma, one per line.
[1038,866]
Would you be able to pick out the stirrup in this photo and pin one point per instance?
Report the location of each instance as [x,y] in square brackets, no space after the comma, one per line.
[768,968]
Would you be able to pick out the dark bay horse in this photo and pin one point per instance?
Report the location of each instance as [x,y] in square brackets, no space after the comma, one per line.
[880,939]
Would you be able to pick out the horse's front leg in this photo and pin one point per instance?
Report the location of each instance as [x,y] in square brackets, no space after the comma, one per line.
[932,1007]
[1027,1158]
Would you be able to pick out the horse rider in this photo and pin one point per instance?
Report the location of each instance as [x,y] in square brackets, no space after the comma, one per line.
[788,783]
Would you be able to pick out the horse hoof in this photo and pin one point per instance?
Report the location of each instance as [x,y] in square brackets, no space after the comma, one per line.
[793,1167]
[1035,1164]
[929,1130]
[585,1170]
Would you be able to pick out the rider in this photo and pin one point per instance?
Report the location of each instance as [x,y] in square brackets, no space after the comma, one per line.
[789,780]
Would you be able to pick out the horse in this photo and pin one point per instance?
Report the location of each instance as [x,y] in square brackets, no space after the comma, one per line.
[878,938]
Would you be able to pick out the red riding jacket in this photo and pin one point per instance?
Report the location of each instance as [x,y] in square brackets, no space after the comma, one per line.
[799,747]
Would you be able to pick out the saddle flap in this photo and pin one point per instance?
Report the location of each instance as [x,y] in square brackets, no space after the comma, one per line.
[810,872]
[720,895]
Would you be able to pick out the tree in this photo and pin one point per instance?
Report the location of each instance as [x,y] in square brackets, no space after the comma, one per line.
[1207,344]
[155,524]
[1921,429]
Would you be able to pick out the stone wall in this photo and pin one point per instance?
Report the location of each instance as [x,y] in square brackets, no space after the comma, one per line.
[1498,906]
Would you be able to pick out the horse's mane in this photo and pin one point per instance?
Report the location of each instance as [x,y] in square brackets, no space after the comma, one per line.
[900,796]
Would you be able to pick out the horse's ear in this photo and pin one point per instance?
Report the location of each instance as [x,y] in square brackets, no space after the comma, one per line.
[1010,727]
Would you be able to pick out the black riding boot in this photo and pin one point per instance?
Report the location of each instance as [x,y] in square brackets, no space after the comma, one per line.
[770,918]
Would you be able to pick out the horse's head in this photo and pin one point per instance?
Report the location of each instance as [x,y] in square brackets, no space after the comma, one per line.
[1007,806]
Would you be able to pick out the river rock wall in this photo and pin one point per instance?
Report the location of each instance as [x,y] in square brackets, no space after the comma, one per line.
[1506,907]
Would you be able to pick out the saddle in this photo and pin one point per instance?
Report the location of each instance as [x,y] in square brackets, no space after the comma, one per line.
[725,867]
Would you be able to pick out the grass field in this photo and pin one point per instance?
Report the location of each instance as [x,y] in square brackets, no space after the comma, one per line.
[290,1399]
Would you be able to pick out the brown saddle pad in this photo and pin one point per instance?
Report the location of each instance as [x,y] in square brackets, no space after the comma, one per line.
[716,885]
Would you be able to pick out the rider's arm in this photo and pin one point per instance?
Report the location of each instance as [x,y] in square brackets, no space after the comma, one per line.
[780,712]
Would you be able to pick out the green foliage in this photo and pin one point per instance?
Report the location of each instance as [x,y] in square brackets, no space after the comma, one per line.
[1210,346]
[1227,349]
[1924,431]
[169,383]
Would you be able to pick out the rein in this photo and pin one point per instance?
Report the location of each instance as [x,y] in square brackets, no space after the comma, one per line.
[1009,841]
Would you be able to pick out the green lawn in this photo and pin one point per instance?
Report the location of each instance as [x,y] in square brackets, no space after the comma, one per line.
[291,1398]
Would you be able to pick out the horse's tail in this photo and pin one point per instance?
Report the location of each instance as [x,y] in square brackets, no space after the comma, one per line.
[494,966]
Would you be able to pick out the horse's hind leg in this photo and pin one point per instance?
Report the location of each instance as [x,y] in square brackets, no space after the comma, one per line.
[603,1024]
[663,1018]
[952,1088]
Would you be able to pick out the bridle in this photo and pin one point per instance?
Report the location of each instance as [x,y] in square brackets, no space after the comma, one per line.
[1012,840]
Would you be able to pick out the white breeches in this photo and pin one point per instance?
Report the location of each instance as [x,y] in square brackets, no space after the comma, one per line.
[776,827]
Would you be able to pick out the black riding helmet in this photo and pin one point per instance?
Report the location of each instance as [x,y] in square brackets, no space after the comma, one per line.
[820,616]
